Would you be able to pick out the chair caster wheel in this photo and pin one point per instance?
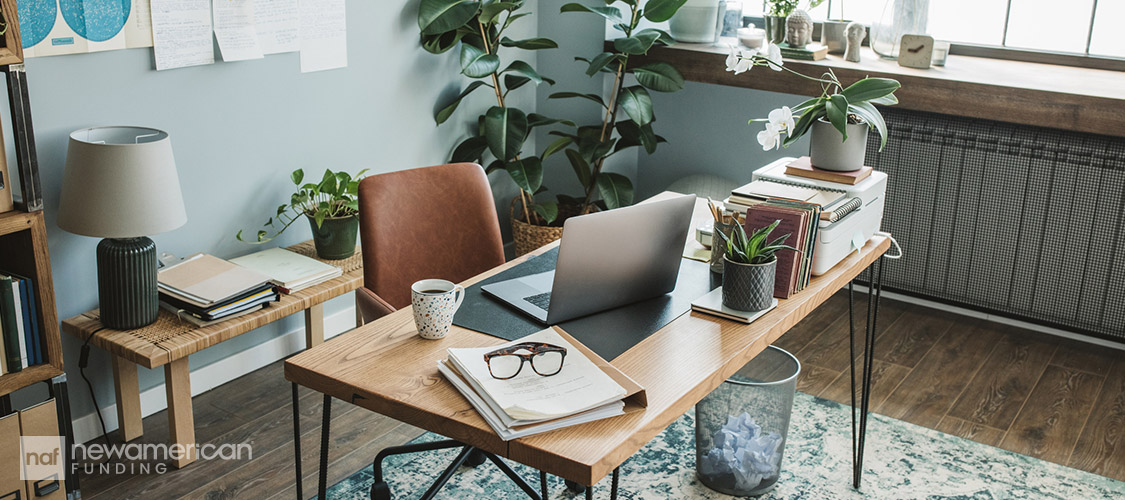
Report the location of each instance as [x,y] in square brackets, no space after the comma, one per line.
[475,458]
[575,487]
[380,491]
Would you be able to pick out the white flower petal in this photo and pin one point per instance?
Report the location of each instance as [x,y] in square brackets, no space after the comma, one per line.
[774,55]
[732,58]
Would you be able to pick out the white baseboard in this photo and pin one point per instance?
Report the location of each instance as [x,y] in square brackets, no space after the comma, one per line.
[998,319]
[218,373]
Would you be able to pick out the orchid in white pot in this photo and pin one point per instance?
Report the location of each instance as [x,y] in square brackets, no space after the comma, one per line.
[845,110]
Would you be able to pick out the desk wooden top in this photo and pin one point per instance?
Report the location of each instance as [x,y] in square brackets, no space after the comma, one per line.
[171,338]
[385,367]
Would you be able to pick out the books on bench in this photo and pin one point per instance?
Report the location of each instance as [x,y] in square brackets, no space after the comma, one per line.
[208,289]
[290,271]
[586,389]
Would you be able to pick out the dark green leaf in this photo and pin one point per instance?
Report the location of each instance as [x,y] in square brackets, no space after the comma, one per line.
[659,11]
[580,166]
[616,190]
[538,120]
[803,123]
[527,172]
[513,17]
[870,88]
[444,113]
[887,100]
[319,217]
[440,16]
[661,77]
[491,11]
[441,42]
[663,37]
[494,166]
[530,43]
[297,176]
[636,44]
[513,82]
[548,210]
[476,63]
[874,119]
[610,13]
[522,68]
[637,104]
[566,95]
[505,129]
[556,146]
[837,109]
[599,62]
[470,150]
[807,104]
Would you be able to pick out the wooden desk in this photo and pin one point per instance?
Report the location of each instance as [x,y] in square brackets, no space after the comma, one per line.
[170,341]
[385,367]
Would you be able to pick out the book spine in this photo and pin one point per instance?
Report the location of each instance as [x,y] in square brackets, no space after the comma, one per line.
[8,327]
[18,307]
[28,330]
[33,319]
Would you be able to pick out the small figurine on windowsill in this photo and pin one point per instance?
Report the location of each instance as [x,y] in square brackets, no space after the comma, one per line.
[855,33]
[799,28]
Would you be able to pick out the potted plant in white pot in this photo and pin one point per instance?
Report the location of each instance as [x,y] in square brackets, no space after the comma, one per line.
[750,266]
[331,207]
[838,119]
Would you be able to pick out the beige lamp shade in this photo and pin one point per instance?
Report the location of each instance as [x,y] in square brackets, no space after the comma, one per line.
[120,182]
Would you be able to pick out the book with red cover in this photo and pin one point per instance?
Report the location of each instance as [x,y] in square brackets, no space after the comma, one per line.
[803,167]
[794,222]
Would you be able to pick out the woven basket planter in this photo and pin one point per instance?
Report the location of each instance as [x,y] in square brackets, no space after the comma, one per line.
[529,237]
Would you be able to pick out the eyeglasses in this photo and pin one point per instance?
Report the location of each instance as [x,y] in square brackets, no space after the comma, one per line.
[545,359]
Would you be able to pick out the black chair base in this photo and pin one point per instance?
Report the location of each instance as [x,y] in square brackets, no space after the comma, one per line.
[469,455]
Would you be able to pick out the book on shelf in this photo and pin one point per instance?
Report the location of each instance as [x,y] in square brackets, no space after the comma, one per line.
[204,280]
[810,52]
[289,271]
[586,389]
[9,325]
[809,244]
[803,167]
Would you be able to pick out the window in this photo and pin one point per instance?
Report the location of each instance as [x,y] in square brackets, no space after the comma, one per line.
[1080,27]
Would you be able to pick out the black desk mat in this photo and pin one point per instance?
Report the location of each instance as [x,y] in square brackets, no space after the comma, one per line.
[608,333]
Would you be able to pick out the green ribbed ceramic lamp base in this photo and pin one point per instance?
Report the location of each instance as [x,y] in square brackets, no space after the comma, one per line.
[127,293]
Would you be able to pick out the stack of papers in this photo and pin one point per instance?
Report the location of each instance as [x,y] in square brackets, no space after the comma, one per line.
[289,271]
[586,389]
[204,289]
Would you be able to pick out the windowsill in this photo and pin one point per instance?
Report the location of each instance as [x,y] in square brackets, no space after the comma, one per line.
[1061,97]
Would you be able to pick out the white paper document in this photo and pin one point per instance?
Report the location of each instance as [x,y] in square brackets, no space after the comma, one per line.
[235,30]
[324,40]
[278,23]
[181,33]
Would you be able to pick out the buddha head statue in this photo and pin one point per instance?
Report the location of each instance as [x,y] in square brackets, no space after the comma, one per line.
[799,28]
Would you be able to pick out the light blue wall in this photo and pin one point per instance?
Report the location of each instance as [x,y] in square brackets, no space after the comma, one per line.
[237,130]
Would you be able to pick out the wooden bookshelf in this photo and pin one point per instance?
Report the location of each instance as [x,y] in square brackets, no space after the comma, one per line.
[23,250]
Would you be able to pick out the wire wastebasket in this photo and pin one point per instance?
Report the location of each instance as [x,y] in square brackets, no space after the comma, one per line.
[741,427]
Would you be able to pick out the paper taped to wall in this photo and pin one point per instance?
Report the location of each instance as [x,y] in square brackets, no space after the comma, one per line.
[181,33]
[235,30]
[279,25]
[324,41]
[57,27]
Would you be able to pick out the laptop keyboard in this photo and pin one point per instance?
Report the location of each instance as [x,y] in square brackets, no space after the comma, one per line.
[541,301]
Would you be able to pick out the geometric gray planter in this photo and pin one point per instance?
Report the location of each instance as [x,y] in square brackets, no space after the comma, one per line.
[829,151]
[748,287]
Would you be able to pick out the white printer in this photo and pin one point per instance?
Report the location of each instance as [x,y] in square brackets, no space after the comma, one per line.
[835,240]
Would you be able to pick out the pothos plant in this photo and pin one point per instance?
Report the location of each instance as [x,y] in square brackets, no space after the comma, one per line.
[590,145]
[333,197]
[502,130]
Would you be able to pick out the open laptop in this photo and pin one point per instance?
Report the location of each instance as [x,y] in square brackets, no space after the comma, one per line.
[606,260]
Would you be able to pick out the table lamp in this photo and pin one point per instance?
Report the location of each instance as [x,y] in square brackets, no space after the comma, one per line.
[120,184]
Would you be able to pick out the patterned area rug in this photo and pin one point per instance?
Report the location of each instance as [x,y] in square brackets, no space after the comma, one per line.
[904,461]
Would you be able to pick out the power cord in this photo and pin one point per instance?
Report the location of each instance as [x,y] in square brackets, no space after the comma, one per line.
[83,361]
[893,242]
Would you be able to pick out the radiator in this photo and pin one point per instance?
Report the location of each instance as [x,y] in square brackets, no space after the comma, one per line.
[1021,221]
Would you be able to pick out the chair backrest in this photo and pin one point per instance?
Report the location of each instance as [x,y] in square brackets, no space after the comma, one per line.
[431,222]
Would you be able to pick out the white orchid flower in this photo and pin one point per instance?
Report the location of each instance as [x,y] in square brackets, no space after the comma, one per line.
[770,138]
[782,118]
[773,54]
[739,61]
[732,58]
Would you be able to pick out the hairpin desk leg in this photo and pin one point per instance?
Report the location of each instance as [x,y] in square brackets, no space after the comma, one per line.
[297,441]
[322,486]
[543,485]
[859,430]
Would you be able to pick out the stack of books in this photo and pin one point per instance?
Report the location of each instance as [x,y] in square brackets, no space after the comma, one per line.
[204,289]
[19,324]
[587,388]
[800,221]
[289,271]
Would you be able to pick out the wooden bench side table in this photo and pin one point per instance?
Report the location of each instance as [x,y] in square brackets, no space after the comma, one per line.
[169,341]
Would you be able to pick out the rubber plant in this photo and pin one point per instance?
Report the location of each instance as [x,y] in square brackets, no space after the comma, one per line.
[478,27]
[590,145]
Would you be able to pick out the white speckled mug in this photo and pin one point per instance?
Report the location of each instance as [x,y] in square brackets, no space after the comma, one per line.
[434,302]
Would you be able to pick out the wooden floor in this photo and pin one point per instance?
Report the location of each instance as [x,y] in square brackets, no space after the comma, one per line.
[1042,396]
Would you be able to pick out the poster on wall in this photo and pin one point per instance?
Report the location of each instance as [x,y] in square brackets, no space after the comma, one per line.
[56,27]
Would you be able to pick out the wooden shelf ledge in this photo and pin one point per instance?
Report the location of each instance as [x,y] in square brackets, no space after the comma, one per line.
[1060,97]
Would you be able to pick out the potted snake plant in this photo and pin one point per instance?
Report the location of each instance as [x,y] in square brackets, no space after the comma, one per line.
[750,266]
[331,207]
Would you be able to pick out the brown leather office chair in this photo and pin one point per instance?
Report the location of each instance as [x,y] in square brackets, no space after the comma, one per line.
[431,222]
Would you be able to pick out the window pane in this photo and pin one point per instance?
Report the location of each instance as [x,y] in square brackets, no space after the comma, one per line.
[1106,42]
[1050,24]
[969,21]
